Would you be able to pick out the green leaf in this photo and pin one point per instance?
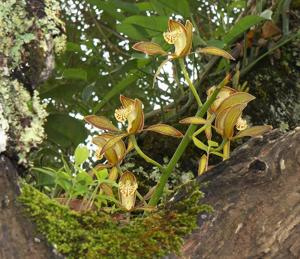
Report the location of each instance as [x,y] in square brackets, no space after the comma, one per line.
[143,27]
[73,47]
[102,174]
[212,143]
[118,88]
[75,73]
[240,27]
[167,7]
[111,7]
[64,180]
[83,178]
[65,131]
[81,154]
[200,144]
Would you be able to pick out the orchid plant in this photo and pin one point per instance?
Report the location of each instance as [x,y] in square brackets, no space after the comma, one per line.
[220,114]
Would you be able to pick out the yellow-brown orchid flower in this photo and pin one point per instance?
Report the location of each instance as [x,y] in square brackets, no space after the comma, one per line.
[179,35]
[228,111]
[222,95]
[127,190]
[132,114]
[115,154]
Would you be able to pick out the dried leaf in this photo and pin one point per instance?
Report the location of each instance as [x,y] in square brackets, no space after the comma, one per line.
[269,30]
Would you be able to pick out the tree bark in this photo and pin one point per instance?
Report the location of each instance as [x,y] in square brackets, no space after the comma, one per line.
[256,200]
[18,239]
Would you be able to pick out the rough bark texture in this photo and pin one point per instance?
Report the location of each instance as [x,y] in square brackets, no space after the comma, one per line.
[256,198]
[18,239]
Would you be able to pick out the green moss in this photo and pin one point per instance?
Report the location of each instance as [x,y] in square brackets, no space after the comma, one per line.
[99,235]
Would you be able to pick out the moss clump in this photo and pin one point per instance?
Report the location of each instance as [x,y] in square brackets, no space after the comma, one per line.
[99,235]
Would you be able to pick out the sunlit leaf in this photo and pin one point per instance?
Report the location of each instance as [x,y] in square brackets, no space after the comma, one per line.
[81,154]
[165,130]
[101,174]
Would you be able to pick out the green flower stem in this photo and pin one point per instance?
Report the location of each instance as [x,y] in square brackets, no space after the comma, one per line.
[190,83]
[143,155]
[226,150]
[205,125]
[182,146]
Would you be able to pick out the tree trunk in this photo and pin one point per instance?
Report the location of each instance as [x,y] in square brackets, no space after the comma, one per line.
[256,200]
[18,239]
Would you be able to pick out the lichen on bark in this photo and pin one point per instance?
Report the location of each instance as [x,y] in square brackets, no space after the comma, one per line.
[31,34]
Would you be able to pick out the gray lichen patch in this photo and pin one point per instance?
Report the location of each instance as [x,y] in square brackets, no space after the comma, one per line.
[31,32]
[21,26]
[23,116]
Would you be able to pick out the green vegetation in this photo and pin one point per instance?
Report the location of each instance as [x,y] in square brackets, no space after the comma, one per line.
[100,235]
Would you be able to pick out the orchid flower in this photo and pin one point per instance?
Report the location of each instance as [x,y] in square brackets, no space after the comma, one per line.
[131,114]
[179,35]
[127,190]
